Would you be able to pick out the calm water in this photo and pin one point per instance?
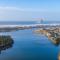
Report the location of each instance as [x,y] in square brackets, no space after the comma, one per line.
[29,46]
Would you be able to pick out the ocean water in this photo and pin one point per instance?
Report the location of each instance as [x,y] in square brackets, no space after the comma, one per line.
[27,22]
[28,45]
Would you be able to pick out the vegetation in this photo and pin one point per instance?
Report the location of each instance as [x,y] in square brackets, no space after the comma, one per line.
[5,42]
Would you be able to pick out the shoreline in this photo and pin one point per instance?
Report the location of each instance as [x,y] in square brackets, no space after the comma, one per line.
[5,28]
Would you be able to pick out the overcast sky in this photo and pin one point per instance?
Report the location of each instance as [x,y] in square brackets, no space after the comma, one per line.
[22,10]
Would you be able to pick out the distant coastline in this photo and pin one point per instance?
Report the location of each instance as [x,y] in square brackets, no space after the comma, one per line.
[28,22]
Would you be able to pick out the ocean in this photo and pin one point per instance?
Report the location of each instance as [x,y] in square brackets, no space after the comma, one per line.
[28,45]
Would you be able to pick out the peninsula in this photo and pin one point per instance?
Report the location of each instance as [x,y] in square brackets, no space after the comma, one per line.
[53,34]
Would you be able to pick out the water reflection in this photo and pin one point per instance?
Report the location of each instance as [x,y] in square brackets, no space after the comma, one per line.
[5,42]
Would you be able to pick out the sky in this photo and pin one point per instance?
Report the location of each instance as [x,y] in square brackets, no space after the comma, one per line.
[29,10]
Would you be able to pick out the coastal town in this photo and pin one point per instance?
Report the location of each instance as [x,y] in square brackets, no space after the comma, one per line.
[51,31]
[53,35]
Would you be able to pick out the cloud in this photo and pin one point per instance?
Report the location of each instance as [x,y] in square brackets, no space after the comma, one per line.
[11,13]
[21,14]
[14,13]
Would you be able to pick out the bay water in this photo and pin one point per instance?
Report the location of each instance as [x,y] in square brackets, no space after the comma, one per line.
[28,45]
